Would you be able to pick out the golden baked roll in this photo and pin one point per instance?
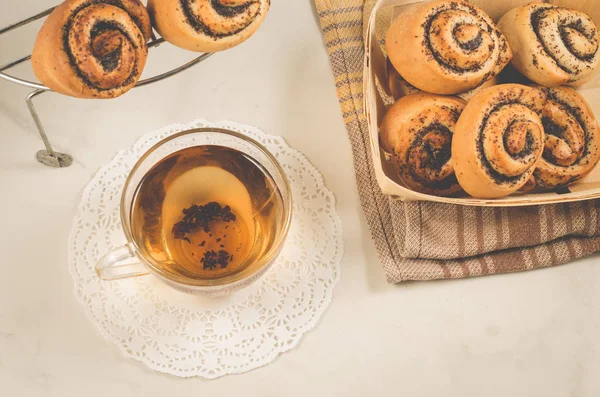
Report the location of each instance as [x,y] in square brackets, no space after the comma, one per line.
[572,147]
[446,46]
[207,25]
[552,45]
[498,140]
[417,131]
[92,49]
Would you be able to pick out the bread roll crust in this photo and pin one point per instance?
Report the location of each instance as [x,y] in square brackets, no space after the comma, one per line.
[399,87]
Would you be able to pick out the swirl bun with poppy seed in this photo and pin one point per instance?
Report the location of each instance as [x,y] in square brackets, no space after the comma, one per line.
[92,48]
[207,25]
[417,130]
[499,140]
[552,45]
[446,46]
[572,146]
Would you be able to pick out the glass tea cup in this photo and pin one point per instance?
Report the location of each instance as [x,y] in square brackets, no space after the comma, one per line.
[130,260]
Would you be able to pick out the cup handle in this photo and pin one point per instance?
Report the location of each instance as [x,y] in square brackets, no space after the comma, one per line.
[108,267]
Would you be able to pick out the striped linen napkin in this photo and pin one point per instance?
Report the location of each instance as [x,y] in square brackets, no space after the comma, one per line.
[426,241]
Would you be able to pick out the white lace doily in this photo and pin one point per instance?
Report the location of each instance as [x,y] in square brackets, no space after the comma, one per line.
[187,335]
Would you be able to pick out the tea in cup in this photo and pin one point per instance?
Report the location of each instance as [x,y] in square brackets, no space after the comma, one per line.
[206,210]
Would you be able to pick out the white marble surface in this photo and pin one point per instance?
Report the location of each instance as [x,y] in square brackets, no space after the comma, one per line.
[528,334]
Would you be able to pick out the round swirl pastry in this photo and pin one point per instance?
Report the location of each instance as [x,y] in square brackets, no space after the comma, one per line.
[207,25]
[499,140]
[552,45]
[417,130]
[446,46]
[91,48]
[572,147]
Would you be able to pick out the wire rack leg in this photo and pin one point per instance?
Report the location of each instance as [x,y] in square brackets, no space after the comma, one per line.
[47,157]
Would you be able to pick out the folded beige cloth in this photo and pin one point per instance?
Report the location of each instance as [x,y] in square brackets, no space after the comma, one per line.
[426,241]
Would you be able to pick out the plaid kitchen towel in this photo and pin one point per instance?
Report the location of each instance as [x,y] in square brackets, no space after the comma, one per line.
[426,241]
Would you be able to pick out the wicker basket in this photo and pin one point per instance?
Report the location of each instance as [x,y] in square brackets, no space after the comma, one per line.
[375,73]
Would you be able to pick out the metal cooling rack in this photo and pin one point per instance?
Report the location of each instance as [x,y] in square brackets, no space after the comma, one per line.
[48,156]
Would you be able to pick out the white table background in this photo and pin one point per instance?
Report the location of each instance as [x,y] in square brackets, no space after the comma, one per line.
[527,334]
